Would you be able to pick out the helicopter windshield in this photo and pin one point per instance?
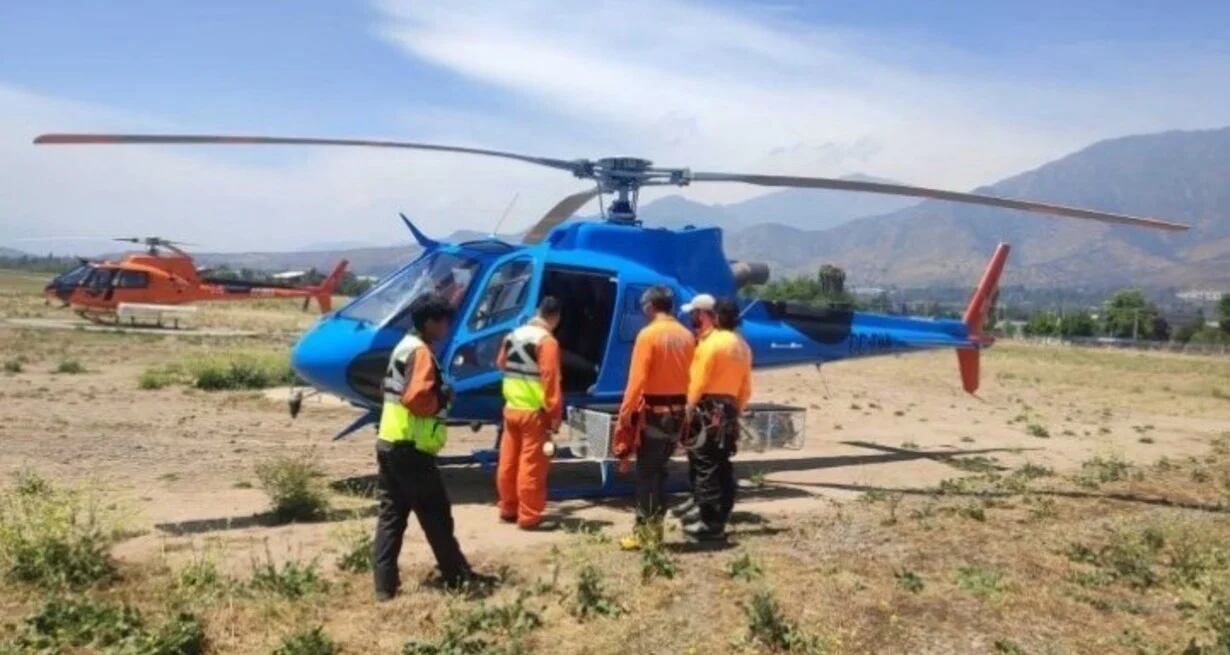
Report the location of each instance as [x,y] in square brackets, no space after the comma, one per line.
[72,277]
[447,274]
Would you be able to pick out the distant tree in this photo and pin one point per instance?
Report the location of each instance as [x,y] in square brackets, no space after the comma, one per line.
[1223,313]
[880,303]
[1190,329]
[825,289]
[1077,324]
[1130,315]
[351,285]
[1042,324]
[832,281]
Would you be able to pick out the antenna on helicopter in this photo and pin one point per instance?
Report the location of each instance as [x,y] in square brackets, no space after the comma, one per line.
[623,177]
[507,210]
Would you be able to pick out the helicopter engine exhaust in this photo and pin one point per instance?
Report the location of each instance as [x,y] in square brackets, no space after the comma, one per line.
[749,273]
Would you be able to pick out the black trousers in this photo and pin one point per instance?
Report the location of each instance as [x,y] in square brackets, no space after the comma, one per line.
[409,481]
[712,472]
[658,440]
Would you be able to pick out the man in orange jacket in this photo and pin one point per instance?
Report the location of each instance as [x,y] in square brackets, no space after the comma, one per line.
[652,413]
[702,313]
[533,407]
[719,389]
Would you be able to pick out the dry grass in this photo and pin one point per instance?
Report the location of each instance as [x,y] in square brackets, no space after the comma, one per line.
[1102,551]
[1141,560]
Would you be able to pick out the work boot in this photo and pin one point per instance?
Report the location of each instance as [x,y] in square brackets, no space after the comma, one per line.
[385,596]
[678,511]
[699,531]
[690,516]
[545,525]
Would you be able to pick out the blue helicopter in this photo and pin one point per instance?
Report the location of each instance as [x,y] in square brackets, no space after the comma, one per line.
[599,270]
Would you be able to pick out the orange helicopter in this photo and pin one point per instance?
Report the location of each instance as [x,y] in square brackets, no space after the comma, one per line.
[96,290]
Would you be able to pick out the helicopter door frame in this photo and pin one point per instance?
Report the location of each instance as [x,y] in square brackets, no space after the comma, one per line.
[472,350]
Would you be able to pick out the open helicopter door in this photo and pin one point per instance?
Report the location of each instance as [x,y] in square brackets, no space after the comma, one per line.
[501,303]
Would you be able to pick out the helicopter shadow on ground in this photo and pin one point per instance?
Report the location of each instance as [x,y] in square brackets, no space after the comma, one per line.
[1141,499]
[474,485]
[885,455]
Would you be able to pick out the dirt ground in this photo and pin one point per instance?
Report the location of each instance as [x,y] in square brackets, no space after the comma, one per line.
[882,435]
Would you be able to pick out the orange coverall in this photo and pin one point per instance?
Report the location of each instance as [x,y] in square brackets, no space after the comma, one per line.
[521,479]
[660,360]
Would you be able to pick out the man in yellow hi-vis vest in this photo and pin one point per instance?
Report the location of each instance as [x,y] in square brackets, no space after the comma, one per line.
[411,432]
[533,408]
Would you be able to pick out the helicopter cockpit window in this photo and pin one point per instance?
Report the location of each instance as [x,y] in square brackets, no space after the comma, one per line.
[447,274]
[74,277]
[99,279]
[131,280]
[505,294]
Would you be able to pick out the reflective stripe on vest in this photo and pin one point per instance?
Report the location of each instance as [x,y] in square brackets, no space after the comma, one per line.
[522,376]
[397,424]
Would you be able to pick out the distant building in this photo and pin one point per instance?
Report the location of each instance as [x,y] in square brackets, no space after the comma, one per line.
[1202,295]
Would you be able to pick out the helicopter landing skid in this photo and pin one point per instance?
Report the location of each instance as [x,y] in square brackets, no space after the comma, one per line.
[610,486]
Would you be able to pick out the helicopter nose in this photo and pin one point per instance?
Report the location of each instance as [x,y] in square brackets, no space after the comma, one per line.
[324,353]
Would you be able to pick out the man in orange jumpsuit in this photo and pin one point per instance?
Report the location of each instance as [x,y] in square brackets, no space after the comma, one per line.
[719,389]
[651,416]
[533,407]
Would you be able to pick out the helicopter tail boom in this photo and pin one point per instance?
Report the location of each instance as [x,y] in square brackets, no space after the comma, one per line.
[324,292]
[980,307]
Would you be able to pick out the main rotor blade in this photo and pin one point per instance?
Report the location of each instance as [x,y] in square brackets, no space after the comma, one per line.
[937,194]
[558,214]
[212,139]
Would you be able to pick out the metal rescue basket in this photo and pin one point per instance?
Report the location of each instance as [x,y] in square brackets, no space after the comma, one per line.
[763,427]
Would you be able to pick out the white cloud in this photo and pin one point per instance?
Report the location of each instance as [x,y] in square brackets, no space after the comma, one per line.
[683,84]
[695,85]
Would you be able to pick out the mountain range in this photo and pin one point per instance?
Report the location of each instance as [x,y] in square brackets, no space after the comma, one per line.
[890,241]
[1182,176]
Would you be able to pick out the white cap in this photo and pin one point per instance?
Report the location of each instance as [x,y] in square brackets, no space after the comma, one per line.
[703,302]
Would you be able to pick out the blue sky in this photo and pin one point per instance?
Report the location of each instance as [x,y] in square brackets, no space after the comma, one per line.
[949,94]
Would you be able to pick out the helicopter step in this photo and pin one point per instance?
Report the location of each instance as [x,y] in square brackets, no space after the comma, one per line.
[131,313]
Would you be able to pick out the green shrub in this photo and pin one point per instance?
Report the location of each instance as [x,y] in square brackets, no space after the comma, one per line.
[980,581]
[591,598]
[656,562]
[182,635]
[12,366]
[482,629]
[312,641]
[1038,430]
[909,580]
[160,377]
[293,484]
[767,626]
[199,580]
[83,623]
[293,579]
[356,556]
[744,568]
[55,538]
[1100,470]
[239,371]
[70,367]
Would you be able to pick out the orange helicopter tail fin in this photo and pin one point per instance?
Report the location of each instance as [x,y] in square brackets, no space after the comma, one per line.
[976,314]
[324,292]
